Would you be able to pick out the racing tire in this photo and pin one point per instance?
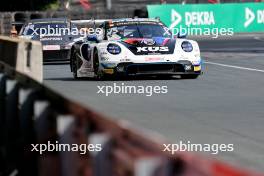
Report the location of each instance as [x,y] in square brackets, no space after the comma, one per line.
[191,76]
[74,66]
[98,75]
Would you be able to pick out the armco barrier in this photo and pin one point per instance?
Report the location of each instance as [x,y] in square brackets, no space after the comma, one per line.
[24,55]
[31,113]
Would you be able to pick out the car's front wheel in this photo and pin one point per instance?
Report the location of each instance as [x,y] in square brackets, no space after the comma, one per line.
[74,63]
[98,74]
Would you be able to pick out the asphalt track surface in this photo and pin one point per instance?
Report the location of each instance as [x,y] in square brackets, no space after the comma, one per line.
[225,105]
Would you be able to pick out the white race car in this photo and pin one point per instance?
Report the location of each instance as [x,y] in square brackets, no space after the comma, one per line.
[130,47]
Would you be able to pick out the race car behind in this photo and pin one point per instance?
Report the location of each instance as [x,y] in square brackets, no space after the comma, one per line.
[54,34]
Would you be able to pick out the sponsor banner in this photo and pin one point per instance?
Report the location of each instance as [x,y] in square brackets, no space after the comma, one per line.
[242,17]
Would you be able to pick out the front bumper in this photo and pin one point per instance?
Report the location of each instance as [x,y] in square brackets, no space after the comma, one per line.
[160,68]
[56,55]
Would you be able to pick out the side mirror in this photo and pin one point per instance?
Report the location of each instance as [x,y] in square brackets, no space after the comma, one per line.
[92,38]
[181,35]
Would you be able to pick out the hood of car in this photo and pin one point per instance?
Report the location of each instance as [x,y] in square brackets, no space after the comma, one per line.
[147,46]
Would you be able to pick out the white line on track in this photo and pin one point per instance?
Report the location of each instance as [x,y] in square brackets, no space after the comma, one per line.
[259,39]
[233,66]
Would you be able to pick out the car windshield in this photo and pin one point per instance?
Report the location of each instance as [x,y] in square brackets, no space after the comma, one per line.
[138,31]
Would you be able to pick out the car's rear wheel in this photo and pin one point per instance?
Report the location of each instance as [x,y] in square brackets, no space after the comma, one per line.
[191,76]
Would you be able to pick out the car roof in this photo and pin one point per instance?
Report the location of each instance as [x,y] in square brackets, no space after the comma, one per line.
[131,21]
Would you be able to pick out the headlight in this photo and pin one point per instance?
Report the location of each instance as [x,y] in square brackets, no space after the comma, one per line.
[187,46]
[197,62]
[113,48]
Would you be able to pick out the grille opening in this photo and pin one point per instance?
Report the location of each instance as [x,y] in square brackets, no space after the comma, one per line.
[152,68]
[56,55]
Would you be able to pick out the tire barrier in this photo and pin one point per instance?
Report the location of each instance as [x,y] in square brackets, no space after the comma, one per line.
[32,114]
[24,55]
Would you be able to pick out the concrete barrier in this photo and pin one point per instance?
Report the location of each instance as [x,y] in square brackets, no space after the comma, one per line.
[23,55]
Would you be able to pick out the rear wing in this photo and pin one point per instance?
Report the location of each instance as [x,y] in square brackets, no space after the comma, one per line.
[100,21]
[84,26]
[89,21]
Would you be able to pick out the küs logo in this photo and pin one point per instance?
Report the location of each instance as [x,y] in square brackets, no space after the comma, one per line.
[153,49]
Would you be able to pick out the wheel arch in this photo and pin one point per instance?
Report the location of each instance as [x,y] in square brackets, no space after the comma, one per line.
[73,48]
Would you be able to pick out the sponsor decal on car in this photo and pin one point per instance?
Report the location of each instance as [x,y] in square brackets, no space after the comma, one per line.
[109,71]
[197,68]
[50,38]
[154,59]
[148,42]
[188,67]
[125,60]
[153,49]
[51,47]
[104,58]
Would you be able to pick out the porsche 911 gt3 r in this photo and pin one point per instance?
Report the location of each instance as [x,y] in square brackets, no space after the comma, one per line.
[132,47]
